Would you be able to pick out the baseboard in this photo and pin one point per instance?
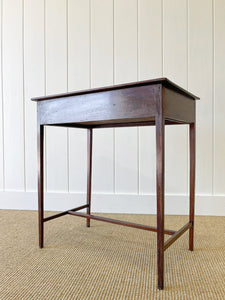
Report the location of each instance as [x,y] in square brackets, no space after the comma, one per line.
[115,203]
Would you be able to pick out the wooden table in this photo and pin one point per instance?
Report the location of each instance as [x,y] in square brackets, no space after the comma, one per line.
[156,102]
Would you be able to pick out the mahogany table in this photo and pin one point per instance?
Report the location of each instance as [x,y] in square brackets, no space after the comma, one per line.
[156,102]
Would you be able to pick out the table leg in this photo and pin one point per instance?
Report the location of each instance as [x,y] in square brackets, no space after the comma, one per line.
[89,171]
[160,128]
[192,185]
[40,154]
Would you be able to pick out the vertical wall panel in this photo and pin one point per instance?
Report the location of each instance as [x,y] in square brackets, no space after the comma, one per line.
[102,75]
[150,66]
[200,81]
[125,51]
[125,40]
[1,111]
[33,82]
[78,44]
[13,94]
[56,82]
[175,68]
[149,39]
[219,116]
[101,43]
[78,78]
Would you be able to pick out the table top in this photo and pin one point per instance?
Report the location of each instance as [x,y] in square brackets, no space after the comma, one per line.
[164,81]
[119,105]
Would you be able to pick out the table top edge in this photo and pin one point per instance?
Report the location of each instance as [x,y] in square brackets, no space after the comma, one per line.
[164,81]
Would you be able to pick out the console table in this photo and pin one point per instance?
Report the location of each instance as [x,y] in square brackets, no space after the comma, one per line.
[156,102]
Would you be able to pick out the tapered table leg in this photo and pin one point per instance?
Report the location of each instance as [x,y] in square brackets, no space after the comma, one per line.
[40,154]
[89,171]
[192,185]
[160,128]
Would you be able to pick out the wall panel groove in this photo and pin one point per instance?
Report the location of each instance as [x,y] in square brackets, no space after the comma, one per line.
[23,88]
[187,87]
[114,132]
[45,92]
[67,89]
[213,97]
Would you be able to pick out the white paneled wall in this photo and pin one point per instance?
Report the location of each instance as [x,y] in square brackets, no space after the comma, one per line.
[54,46]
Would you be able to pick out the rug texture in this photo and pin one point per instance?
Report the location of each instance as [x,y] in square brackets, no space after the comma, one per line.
[108,261]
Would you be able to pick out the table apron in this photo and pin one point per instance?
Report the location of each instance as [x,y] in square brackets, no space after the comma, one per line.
[130,104]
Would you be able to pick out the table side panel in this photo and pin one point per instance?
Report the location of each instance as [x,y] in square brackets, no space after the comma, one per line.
[178,107]
[134,103]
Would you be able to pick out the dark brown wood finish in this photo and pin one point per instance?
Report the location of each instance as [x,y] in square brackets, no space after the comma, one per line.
[192,184]
[160,145]
[66,212]
[89,172]
[178,107]
[115,125]
[152,102]
[103,107]
[176,235]
[40,157]
[119,222]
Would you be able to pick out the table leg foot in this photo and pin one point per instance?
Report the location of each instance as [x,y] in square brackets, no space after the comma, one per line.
[160,286]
